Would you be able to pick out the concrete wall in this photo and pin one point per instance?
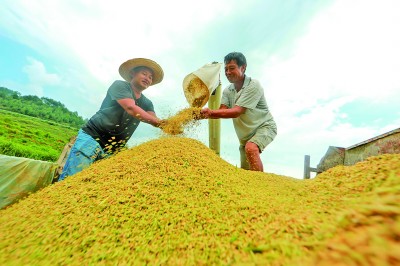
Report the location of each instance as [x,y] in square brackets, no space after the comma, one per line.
[382,144]
[386,144]
[333,156]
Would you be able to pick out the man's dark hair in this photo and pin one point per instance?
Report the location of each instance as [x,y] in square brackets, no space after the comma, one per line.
[236,56]
[140,68]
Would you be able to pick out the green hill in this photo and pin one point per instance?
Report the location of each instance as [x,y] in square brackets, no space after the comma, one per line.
[31,137]
[33,127]
[44,108]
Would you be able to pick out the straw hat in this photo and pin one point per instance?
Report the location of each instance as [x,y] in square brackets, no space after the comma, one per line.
[127,66]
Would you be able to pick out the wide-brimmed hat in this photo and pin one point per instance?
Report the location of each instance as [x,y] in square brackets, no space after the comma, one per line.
[127,66]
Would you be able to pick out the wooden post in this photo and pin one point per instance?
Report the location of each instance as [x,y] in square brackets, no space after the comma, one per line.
[63,157]
[307,168]
[214,125]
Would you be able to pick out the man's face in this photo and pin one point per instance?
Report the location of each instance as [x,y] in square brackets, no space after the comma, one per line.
[142,78]
[233,72]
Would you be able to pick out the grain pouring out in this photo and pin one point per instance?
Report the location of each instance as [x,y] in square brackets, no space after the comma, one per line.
[196,92]
[197,95]
[176,124]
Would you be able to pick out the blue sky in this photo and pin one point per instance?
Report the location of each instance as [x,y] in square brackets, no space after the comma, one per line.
[329,68]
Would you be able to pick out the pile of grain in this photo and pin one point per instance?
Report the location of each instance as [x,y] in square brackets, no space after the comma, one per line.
[187,117]
[172,201]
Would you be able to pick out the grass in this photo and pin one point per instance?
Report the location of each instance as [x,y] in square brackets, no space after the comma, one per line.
[31,137]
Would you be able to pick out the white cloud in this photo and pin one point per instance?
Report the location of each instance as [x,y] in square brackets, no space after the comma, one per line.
[349,52]
[38,77]
[351,49]
[90,39]
[38,74]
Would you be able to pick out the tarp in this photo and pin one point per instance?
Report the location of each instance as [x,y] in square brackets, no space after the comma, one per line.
[209,74]
[21,176]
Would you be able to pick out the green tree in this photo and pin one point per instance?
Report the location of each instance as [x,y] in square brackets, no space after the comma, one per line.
[44,108]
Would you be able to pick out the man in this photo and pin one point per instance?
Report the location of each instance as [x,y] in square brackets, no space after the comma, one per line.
[244,101]
[123,108]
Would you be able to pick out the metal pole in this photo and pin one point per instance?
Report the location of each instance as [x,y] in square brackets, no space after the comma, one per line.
[214,125]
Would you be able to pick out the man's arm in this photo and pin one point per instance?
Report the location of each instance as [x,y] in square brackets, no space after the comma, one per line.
[224,112]
[152,114]
[132,109]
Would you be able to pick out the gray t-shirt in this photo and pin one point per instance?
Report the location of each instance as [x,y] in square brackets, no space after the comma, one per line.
[257,114]
[112,126]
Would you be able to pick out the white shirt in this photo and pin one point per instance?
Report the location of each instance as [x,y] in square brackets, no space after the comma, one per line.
[250,96]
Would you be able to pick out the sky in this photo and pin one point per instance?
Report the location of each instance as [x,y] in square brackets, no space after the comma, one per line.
[330,69]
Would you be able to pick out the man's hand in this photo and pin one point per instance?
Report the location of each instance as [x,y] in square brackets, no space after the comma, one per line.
[160,123]
[205,113]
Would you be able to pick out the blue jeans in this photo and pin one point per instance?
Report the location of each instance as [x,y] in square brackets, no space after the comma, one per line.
[84,152]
